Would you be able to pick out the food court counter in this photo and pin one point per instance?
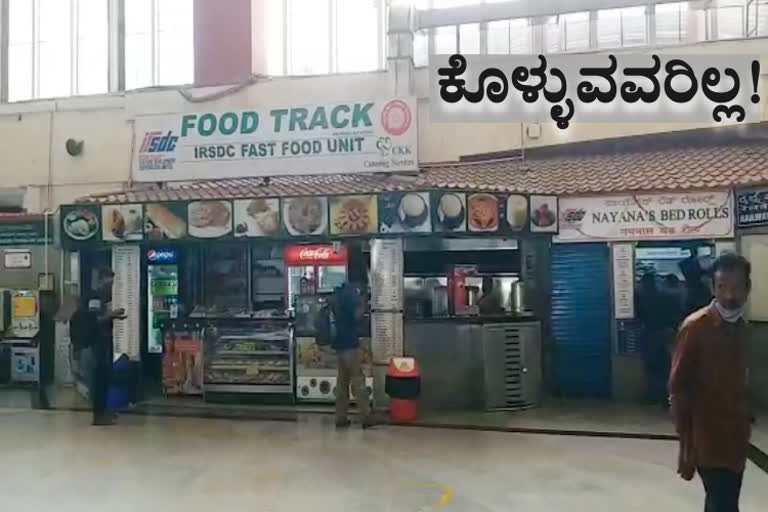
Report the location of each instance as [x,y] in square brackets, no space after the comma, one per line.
[478,362]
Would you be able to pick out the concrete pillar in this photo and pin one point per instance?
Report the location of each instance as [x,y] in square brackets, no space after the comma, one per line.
[400,69]
[223,43]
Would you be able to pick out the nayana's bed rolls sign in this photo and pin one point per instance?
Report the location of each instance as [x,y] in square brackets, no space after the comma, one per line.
[341,137]
[675,216]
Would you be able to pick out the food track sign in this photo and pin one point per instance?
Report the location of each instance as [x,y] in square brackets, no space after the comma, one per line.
[340,137]
[298,255]
[646,217]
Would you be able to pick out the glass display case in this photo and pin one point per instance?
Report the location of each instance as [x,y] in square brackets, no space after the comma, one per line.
[249,357]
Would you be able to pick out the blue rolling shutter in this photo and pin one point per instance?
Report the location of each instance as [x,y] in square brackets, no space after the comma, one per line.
[581,320]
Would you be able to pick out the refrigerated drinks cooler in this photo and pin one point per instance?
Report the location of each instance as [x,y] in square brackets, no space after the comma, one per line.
[162,294]
[314,269]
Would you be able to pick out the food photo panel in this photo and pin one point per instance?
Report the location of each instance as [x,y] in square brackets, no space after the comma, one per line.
[404,212]
[483,212]
[80,223]
[305,216]
[165,221]
[354,215]
[210,219]
[257,217]
[449,211]
[122,222]
[544,214]
[516,213]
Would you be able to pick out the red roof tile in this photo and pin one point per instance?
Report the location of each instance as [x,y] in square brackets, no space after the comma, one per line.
[682,168]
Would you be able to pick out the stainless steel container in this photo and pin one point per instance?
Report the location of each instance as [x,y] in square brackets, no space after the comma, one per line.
[517,297]
[473,293]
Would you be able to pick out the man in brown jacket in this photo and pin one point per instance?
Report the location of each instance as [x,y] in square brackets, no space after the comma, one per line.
[708,386]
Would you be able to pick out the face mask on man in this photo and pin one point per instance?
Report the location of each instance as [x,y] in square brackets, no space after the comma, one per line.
[729,315]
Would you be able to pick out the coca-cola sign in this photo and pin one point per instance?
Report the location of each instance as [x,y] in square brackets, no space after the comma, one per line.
[316,255]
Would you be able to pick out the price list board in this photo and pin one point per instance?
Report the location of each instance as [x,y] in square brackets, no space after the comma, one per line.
[386,336]
[387,274]
[126,261]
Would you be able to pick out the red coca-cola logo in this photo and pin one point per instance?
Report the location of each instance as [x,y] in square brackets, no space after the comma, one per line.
[309,254]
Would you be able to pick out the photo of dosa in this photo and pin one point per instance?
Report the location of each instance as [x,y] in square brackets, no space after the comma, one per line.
[165,221]
[210,219]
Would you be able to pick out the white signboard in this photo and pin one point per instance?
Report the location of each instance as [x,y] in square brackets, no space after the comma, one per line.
[126,264]
[623,281]
[335,137]
[646,217]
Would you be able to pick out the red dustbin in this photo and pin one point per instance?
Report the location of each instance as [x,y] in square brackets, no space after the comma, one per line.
[403,386]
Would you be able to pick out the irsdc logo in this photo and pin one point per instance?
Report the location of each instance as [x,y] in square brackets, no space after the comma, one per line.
[155,150]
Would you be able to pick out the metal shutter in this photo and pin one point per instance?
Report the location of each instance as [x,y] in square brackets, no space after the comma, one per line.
[581,318]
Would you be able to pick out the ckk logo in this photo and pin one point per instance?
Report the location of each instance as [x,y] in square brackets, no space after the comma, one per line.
[384,145]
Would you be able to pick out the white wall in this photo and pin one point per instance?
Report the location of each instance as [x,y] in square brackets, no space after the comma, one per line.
[33,135]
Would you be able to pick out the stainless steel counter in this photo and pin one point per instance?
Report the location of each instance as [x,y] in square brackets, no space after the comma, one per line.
[475,362]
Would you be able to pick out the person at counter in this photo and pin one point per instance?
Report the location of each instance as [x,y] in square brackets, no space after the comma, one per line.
[489,303]
[347,307]
[92,334]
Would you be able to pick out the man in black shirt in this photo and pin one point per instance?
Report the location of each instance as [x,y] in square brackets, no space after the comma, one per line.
[92,330]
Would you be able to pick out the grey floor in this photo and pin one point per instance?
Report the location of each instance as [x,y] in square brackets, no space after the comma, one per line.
[56,461]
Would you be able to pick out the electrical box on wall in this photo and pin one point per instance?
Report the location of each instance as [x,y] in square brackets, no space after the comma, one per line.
[533,131]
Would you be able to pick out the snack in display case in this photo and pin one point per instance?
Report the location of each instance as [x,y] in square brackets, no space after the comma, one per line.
[251,358]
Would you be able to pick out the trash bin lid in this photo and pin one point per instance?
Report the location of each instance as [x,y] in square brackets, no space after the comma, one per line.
[403,367]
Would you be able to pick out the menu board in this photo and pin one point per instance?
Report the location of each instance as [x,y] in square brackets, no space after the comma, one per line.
[623,281]
[491,213]
[387,268]
[386,336]
[354,215]
[126,263]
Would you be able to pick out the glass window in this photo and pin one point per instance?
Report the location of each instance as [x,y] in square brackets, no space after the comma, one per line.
[309,37]
[357,35]
[20,50]
[275,37]
[445,4]
[174,42]
[159,42]
[138,44]
[445,40]
[519,36]
[634,30]
[552,35]
[92,47]
[498,37]
[671,23]
[57,48]
[421,48]
[576,31]
[469,38]
[609,28]
[730,22]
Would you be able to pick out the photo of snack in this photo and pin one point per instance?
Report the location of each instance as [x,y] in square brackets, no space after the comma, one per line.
[210,219]
[544,214]
[517,212]
[305,215]
[257,217]
[122,222]
[353,215]
[81,223]
[163,221]
[450,211]
[405,212]
[483,212]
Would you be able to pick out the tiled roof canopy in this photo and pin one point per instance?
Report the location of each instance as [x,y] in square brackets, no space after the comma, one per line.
[689,167]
